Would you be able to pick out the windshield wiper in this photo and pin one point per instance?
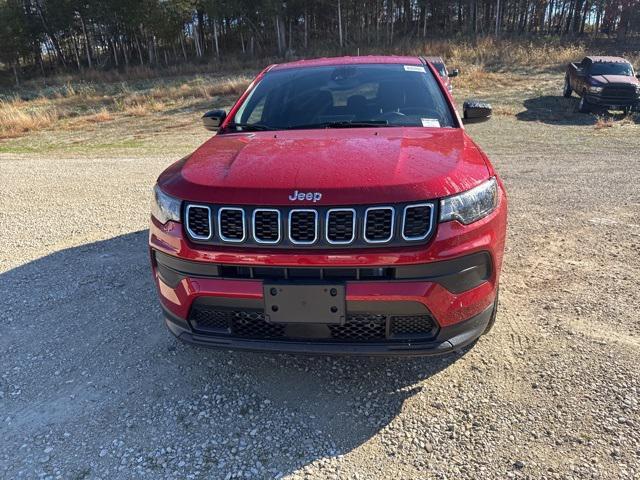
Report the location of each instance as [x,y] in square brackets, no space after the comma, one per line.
[342,124]
[251,127]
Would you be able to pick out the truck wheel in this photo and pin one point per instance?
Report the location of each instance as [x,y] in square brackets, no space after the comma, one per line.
[494,314]
[584,106]
[566,91]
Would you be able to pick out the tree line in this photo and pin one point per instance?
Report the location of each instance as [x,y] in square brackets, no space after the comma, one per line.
[54,35]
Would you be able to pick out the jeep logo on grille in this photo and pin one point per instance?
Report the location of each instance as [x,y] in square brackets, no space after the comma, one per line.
[301,196]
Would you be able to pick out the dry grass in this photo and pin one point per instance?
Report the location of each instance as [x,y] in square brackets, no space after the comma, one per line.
[95,97]
[17,118]
[141,106]
[494,55]
[101,116]
[230,86]
[604,122]
[83,103]
[201,88]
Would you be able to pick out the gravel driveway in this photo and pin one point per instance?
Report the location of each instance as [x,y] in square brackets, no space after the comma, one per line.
[93,387]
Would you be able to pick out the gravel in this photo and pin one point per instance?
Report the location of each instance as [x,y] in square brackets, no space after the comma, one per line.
[91,385]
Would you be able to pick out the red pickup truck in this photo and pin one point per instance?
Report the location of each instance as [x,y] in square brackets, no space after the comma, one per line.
[340,208]
[604,82]
[445,74]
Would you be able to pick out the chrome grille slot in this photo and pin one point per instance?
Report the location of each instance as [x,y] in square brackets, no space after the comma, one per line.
[303,226]
[231,226]
[199,222]
[378,224]
[341,225]
[417,221]
[266,225]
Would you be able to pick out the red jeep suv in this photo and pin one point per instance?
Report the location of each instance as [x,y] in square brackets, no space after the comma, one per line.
[340,208]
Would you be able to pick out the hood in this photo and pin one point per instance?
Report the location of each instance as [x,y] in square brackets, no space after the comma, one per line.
[346,166]
[617,79]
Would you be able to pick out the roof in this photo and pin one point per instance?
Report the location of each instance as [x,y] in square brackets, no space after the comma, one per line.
[363,60]
[434,59]
[605,59]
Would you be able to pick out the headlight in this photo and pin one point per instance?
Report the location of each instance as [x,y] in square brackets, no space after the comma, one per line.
[472,205]
[595,89]
[164,207]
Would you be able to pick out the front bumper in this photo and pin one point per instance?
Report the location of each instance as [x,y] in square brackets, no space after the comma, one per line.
[612,102]
[448,339]
[451,283]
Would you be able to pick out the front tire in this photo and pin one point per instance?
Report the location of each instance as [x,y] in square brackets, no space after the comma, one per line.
[584,106]
[566,91]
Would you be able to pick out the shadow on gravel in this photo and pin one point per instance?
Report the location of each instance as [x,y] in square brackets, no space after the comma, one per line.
[554,110]
[92,379]
[558,110]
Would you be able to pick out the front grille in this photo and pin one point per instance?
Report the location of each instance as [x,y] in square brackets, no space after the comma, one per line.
[266,226]
[231,224]
[417,222]
[199,221]
[341,225]
[358,327]
[378,224]
[620,92]
[305,228]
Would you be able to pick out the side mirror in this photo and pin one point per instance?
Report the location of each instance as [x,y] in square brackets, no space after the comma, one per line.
[476,111]
[213,119]
[454,73]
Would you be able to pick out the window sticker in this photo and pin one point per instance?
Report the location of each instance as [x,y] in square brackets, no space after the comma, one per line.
[414,68]
[430,122]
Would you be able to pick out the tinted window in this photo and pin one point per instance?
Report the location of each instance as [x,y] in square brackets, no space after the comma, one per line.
[441,69]
[391,95]
[611,69]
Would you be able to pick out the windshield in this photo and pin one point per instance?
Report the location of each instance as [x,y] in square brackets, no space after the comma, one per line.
[385,95]
[612,69]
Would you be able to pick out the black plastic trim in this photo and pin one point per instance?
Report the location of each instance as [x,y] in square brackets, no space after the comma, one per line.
[457,275]
[448,340]
[601,101]
[186,268]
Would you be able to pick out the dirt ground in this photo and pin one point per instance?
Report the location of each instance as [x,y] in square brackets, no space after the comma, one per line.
[92,386]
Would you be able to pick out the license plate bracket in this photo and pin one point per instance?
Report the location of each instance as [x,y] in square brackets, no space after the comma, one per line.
[304,303]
